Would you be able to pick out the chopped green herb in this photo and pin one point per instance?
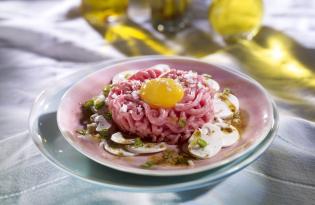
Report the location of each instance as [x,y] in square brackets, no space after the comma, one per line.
[98,104]
[147,165]
[202,143]
[108,116]
[172,157]
[227,91]
[107,89]
[194,142]
[167,153]
[181,160]
[197,133]
[81,132]
[104,133]
[168,157]
[181,122]
[120,154]
[88,104]
[138,142]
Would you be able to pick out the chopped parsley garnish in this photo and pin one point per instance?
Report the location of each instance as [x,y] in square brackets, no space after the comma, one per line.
[88,104]
[168,157]
[172,157]
[108,116]
[196,137]
[147,165]
[138,142]
[104,133]
[227,91]
[98,104]
[181,159]
[181,122]
[107,89]
[197,133]
[202,143]
[81,132]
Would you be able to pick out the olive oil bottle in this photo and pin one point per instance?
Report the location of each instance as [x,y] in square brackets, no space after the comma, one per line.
[234,19]
[169,16]
[100,12]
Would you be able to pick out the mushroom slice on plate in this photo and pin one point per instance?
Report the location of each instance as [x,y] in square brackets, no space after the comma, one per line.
[205,142]
[123,76]
[116,150]
[225,105]
[101,123]
[120,139]
[230,134]
[212,83]
[147,148]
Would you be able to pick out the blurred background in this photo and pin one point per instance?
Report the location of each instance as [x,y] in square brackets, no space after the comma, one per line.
[264,39]
[272,40]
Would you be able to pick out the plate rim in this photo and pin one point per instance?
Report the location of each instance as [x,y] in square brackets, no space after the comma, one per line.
[181,172]
[193,184]
[36,138]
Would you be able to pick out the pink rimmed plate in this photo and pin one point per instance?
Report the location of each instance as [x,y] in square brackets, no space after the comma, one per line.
[255,105]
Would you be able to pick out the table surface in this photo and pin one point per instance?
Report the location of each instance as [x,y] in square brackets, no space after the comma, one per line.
[43,41]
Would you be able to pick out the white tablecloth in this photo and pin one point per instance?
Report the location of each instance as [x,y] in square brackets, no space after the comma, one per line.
[39,43]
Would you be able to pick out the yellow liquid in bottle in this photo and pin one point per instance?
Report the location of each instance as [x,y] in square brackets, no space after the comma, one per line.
[100,12]
[236,18]
[169,15]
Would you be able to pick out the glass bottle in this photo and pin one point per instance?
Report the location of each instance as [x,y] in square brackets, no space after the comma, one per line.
[234,19]
[169,16]
[100,12]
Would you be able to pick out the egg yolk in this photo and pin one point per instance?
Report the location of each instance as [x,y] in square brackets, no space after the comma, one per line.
[161,92]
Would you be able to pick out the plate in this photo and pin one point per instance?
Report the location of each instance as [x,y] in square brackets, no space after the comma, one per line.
[255,104]
[53,146]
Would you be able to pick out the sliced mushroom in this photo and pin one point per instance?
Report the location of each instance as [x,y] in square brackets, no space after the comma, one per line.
[213,84]
[92,117]
[123,76]
[210,136]
[225,105]
[117,150]
[234,101]
[101,123]
[147,148]
[230,134]
[221,109]
[119,139]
